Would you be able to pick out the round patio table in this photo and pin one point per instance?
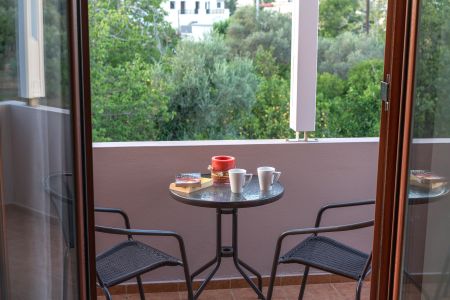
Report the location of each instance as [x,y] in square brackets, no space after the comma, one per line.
[220,197]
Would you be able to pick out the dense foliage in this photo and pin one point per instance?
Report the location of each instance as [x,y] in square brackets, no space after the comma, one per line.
[272,31]
[128,38]
[8,64]
[148,84]
[337,16]
[210,93]
[432,100]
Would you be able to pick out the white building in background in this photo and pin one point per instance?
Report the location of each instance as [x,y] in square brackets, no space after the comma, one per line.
[195,18]
[281,6]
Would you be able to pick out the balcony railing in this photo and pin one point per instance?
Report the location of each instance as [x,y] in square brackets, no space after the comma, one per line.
[218,11]
[188,11]
[196,11]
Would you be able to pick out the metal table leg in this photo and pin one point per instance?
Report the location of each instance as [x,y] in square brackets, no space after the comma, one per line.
[228,251]
[239,264]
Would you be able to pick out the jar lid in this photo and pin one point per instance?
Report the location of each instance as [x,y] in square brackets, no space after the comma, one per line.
[223,162]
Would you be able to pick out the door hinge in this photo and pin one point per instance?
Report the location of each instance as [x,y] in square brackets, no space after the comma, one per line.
[385,85]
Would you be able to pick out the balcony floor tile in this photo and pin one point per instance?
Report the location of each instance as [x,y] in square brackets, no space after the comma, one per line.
[323,291]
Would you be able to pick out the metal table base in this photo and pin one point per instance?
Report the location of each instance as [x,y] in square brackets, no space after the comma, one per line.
[228,251]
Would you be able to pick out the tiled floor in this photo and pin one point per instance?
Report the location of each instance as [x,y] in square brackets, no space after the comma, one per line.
[326,291]
[35,255]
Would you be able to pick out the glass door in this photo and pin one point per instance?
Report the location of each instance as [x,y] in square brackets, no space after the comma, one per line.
[39,235]
[425,268]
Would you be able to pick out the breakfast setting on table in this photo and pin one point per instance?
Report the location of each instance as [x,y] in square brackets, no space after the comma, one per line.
[226,189]
[224,172]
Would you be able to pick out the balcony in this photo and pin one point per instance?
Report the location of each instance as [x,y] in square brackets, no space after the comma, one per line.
[135,177]
[314,174]
[42,257]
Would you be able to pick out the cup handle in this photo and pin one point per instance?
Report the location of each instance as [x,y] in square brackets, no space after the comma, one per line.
[276,176]
[248,178]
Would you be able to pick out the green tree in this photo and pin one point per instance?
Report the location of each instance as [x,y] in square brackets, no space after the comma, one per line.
[231,5]
[357,114]
[338,16]
[269,118]
[378,15]
[127,38]
[8,36]
[56,54]
[271,30]
[130,102]
[331,91]
[337,55]
[432,88]
[8,64]
[148,85]
[211,94]
[221,27]
[121,29]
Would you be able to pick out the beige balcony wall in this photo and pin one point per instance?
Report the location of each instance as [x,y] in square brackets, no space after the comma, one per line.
[136,176]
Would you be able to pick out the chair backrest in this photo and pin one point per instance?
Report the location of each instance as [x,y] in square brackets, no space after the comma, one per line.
[60,187]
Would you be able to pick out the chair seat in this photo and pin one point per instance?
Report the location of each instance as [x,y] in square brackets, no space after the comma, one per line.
[129,259]
[329,255]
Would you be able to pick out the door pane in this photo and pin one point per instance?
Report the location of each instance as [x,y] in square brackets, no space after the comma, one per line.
[37,244]
[426,262]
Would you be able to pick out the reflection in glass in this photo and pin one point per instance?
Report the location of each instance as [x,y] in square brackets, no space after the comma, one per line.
[426,262]
[37,245]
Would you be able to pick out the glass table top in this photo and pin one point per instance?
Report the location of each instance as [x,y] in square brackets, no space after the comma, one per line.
[220,196]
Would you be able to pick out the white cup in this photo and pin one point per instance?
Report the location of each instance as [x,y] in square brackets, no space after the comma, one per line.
[238,179]
[267,176]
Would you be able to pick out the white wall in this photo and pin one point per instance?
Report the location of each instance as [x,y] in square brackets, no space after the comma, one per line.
[35,142]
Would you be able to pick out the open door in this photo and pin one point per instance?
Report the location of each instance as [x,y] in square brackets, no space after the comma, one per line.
[46,240]
[3,271]
[411,244]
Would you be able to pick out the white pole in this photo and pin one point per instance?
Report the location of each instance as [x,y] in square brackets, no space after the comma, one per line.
[305,18]
[31,49]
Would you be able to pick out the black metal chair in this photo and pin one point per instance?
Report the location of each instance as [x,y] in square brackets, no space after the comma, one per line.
[59,187]
[325,253]
[130,258]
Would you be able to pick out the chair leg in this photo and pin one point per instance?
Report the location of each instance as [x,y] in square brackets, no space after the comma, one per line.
[275,263]
[303,286]
[106,292]
[188,282]
[358,289]
[185,266]
[272,280]
[141,288]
